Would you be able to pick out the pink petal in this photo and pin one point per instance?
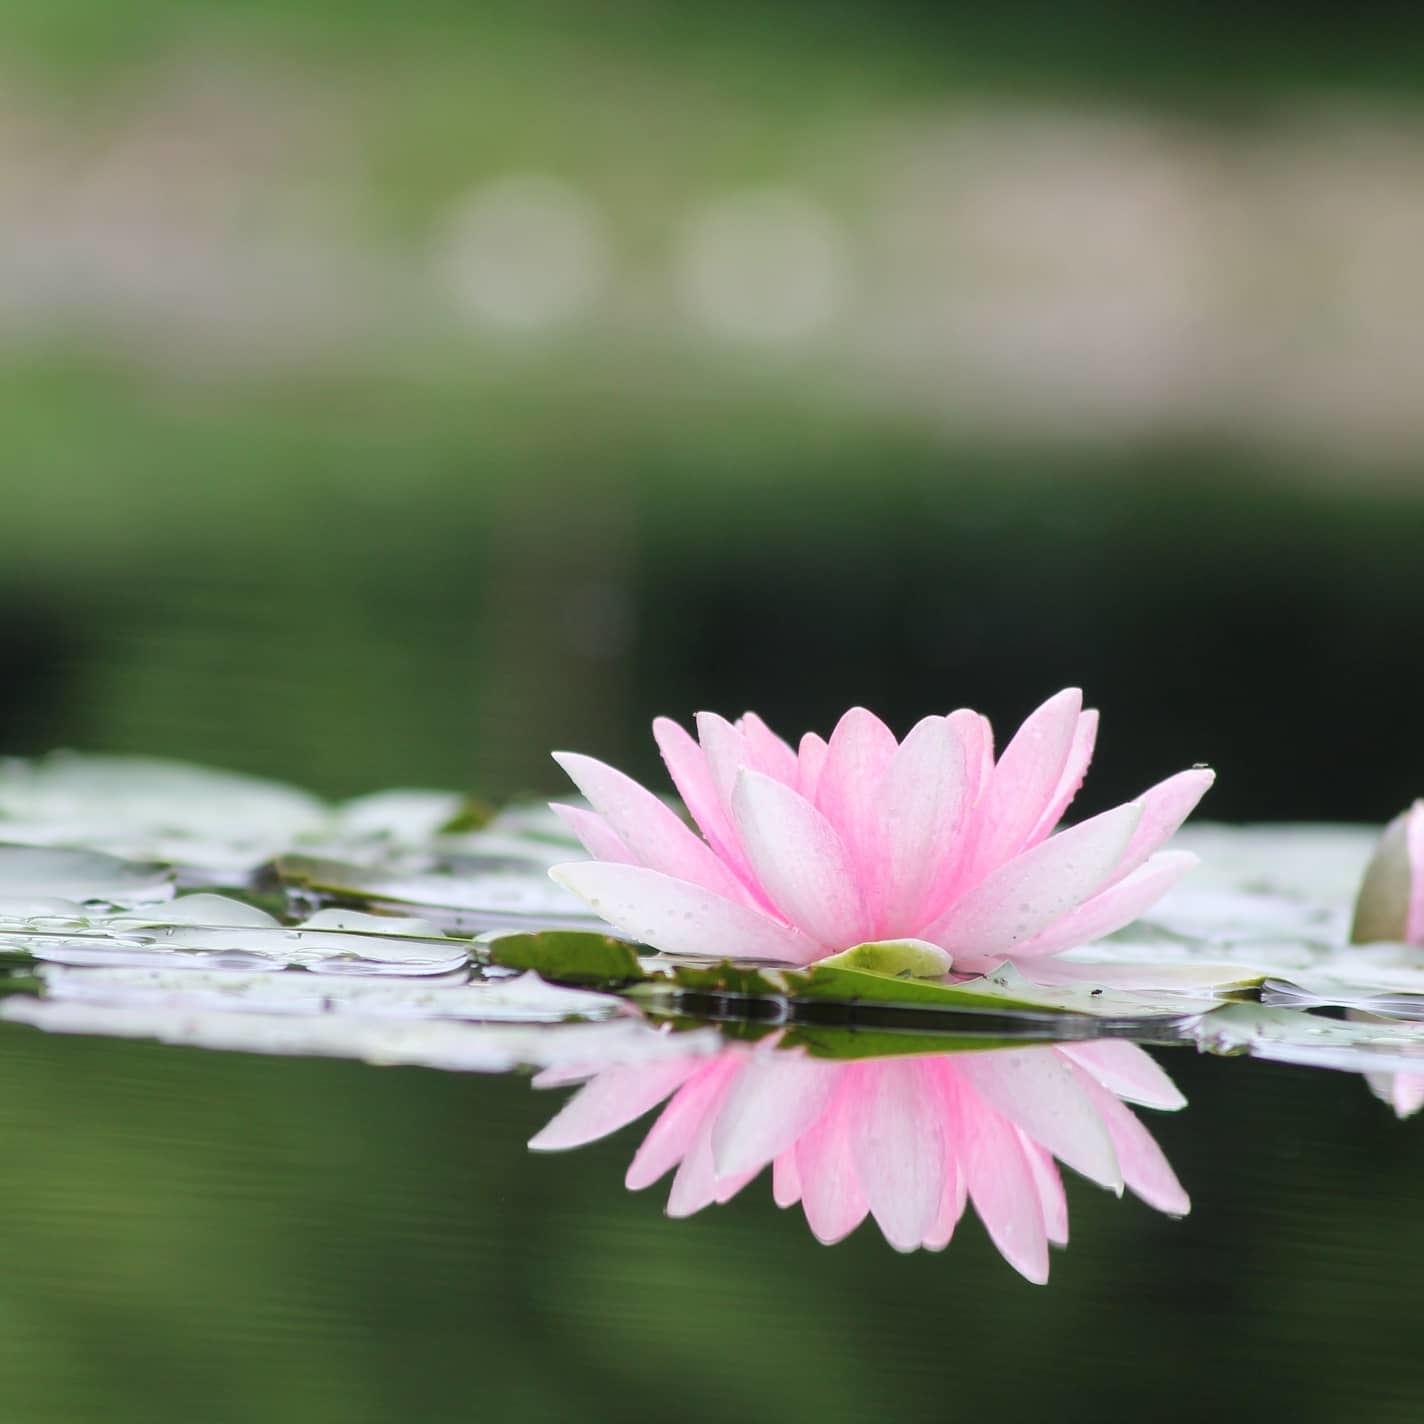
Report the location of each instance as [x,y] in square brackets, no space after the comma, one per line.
[800,861]
[766,752]
[1003,1188]
[977,737]
[920,806]
[679,917]
[728,1187]
[596,836]
[1039,1093]
[857,757]
[726,752]
[1051,1197]
[775,1099]
[1080,753]
[1126,1071]
[975,732]
[1404,1092]
[651,830]
[1109,910]
[1164,808]
[810,759]
[1026,777]
[951,1206]
[786,1179]
[612,1100]
[677,1126]
[691,774]
[1023,897]
[1146,1171]
[830,1192]
[1414,851]
[897,1141]
[695,1183]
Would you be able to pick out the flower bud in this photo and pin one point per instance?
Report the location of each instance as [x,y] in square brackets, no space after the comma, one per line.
[1390,905]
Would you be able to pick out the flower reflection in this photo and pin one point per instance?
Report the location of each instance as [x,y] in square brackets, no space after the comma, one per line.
[907,1140]
[1390,907]
[811,851]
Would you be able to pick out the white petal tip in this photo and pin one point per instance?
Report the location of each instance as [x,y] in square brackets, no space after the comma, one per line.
[564,875]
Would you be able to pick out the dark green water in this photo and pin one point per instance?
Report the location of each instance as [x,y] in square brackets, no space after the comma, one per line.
[197,1236]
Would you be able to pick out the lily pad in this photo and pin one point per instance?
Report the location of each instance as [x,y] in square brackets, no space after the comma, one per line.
[568,956]
[1006,991]
[524,998]
[206,931]
[899,958]
[29,873]
[376,1039]
[485,897]
[151,808]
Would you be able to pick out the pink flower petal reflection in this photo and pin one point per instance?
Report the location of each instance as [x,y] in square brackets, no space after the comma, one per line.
[908,1141]
[811,850]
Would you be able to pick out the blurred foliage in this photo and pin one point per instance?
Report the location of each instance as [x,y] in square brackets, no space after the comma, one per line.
[1193,50]
[364,583]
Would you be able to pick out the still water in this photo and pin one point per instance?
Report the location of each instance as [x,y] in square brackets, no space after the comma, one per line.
[195,1235]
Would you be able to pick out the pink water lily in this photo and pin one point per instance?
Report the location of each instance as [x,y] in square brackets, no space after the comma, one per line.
[809,851]
[1391,907]
[908,1141]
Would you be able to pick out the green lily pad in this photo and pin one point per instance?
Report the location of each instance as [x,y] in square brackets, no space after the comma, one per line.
[724,977]
[568,957]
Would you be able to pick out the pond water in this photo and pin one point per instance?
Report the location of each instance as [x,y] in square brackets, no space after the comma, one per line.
[268,1157]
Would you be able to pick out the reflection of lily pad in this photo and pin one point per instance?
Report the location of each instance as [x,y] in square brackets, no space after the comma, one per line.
[833,1041]
[1292,1036]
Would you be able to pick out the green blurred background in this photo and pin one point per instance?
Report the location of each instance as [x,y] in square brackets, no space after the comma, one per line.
[389,394]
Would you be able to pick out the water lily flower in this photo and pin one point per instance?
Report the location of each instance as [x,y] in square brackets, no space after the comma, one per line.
[906,1140]
[1390,907]
[810,851]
